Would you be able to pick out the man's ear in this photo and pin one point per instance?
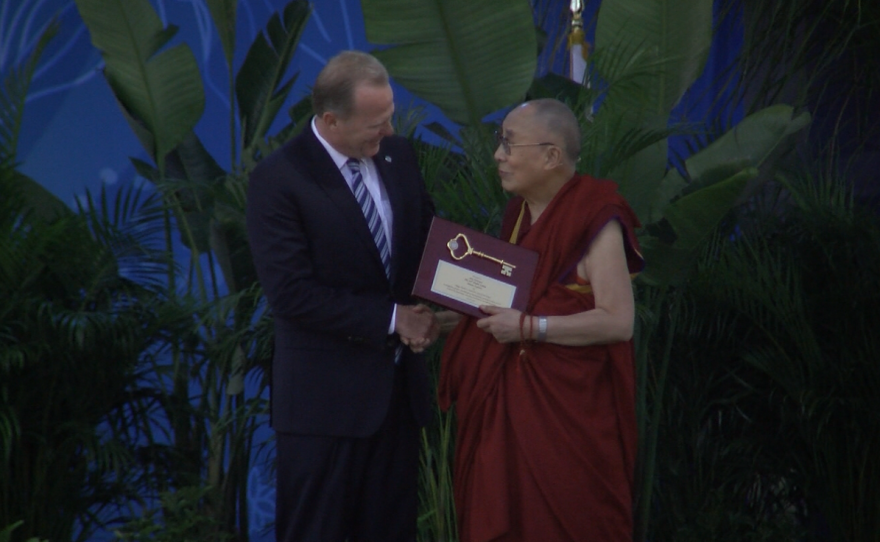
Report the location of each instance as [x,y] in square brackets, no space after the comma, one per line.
[330,119]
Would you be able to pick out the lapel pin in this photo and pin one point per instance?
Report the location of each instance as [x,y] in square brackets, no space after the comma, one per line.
[388,159]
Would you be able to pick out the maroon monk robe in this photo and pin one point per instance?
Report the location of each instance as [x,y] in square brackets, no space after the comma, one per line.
[546,440]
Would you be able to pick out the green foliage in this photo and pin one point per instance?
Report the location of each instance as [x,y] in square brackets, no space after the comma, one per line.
[74,328]
[674,59]
[768,403]
[811,292]
[260,85]
[652,67]
[14,91]
[713,474]
[809,53]
[780,399]
[223,12]
[468,57]
[160,90]
[74,324]
[464,185]
[643,69]
[181,518]
[215,330]
[437,520]
[6,533]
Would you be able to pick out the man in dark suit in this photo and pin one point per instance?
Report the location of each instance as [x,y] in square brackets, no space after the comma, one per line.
[337,220]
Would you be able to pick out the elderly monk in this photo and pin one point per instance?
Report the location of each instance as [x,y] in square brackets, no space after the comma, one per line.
[545,399]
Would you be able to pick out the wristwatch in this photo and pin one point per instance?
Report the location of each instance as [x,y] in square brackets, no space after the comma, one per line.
[542,329]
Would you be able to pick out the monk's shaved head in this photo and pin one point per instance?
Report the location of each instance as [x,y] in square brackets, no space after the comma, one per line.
[557,121]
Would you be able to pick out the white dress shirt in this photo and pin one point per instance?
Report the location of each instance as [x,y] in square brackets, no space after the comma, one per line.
[371,181]
[374,187]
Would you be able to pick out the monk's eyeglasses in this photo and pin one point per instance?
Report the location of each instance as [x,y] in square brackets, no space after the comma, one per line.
[506,144]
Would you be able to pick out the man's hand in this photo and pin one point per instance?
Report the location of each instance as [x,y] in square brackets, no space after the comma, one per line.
[417,326]
[504,324]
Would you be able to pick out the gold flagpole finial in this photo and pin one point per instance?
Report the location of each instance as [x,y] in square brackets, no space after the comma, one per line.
[576,34]
[577,43]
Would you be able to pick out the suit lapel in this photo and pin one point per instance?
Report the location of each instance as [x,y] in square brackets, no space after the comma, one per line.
[323,171]
[388,175]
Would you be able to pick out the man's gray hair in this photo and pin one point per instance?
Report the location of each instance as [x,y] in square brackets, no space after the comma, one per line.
[335,84]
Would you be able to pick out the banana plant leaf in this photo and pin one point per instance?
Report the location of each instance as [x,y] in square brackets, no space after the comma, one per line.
[42,203]
[676,34]
[13,93]
[35,199]
[260,86]
[468,57]
[694,218]
[750,142]
[188,182]
[229,235]
[160,88]
[208,204]
[223,12]
[719,174]
[659,48]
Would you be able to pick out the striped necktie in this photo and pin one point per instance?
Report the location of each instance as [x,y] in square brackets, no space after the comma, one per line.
[371,213]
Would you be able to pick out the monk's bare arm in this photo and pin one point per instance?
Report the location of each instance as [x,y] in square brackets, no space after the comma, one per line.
[613,318]
[611,321]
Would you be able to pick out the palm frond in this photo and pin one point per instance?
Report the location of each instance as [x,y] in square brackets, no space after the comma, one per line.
[13,92]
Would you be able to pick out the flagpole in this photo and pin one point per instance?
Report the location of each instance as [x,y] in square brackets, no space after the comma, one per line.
[578,49]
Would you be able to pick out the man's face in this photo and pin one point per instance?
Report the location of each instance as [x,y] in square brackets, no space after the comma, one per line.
[522,169]
[359,135]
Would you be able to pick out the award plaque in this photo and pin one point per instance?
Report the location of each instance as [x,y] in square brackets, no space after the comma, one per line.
[462,268]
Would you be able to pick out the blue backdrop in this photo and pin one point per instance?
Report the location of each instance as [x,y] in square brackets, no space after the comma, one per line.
[74,136]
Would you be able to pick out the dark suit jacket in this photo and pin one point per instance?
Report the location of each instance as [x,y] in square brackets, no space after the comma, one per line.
[323,277]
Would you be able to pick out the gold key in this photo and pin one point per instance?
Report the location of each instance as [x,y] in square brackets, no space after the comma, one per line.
[453,245]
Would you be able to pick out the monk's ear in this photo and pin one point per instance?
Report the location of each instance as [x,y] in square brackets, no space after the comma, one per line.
[553,158]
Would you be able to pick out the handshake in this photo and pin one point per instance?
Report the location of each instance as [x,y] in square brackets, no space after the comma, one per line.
[418,326]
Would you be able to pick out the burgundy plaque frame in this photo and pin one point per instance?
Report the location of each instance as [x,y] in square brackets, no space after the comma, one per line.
[436,252]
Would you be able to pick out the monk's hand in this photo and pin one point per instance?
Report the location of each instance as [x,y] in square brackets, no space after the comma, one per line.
[503,324]
[448,320]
